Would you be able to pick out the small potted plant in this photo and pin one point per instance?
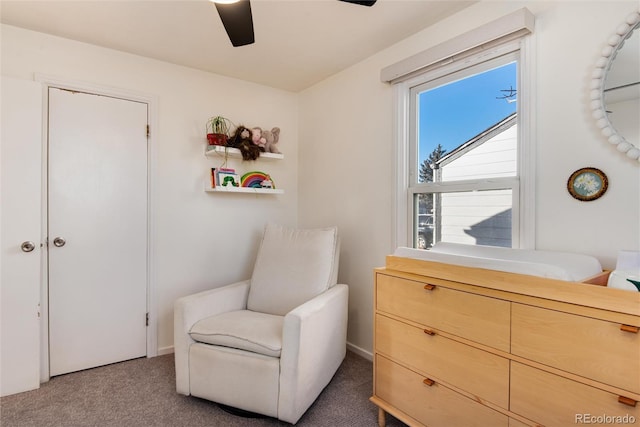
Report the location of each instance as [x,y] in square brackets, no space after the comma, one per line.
[217,130]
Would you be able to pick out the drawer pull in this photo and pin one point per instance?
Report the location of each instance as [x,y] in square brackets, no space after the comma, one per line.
[429,287]
[629,328]
[627,401]
[430,382]
[429,332]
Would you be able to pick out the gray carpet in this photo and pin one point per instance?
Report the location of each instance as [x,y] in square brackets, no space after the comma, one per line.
[142,393]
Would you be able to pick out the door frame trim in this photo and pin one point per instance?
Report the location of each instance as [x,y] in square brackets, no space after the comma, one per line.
[47,82]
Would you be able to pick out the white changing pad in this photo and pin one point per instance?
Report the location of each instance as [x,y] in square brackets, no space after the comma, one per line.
[549,264]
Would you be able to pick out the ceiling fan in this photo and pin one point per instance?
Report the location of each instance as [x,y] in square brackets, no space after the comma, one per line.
[238,21]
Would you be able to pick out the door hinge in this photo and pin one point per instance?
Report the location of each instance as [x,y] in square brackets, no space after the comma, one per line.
[148,131]
[146,321]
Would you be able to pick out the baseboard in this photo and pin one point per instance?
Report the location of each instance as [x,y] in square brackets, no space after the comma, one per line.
[351,347]
[360,351]
[165,350]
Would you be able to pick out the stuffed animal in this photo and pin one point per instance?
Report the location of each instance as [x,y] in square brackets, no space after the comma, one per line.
[239,134]
[257,138]
[241,139]
[271,139]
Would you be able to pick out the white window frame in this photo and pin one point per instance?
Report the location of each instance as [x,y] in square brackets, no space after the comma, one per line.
[405,164]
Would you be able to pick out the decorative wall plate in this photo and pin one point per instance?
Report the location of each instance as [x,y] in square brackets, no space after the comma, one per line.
[587,184]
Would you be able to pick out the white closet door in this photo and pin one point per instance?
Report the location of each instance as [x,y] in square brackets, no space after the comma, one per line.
[20,235]
[97,199]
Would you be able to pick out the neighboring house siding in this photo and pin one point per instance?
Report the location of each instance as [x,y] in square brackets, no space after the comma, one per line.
[493,158]
[477,218]
[480,217]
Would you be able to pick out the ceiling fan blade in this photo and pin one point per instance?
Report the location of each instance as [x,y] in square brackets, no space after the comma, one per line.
[237,20]
[361,2]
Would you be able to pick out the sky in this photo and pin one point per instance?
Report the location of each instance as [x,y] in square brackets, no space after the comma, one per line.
[454,113]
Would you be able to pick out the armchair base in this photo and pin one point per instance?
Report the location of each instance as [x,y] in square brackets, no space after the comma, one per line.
[244,380]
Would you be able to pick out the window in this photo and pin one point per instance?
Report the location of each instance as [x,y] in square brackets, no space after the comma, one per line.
[465,154]
[463,157]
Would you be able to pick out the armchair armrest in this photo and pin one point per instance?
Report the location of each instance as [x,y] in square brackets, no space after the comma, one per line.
[313,347]
[189,309]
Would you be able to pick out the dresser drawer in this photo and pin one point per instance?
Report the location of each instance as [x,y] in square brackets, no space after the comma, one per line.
[482,374]
[435,405]
[478,318]
[556,401]
[581,345]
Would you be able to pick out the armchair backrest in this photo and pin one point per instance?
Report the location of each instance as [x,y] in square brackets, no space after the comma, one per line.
[293,266]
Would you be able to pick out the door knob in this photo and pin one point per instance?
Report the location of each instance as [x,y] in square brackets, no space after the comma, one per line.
[27,246]
[59,242]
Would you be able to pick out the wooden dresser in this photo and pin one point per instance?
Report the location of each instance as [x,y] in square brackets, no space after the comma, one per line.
[462,347]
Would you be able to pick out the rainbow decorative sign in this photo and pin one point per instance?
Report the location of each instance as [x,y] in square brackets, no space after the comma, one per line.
[256,179]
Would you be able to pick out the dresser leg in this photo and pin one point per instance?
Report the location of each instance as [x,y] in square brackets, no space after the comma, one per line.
[382,422]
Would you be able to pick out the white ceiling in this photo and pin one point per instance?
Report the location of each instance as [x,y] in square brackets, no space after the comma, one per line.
[298,42]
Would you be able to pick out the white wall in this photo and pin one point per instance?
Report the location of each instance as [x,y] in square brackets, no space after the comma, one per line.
[201,240]
[346,151]
[347,146]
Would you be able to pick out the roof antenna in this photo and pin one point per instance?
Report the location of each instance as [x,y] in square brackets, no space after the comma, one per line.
[509,95]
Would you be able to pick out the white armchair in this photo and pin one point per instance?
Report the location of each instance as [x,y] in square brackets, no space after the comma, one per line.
[270,344]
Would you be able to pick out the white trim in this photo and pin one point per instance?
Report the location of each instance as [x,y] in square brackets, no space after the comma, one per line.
[47,82]
[162,351]
[481,61]
[152,163]
[83,86]
[44,271]
[400,214]
[513,25]
[522,186]
[527,147]
[360,351]
[502,183]
[516,216]
[165,350]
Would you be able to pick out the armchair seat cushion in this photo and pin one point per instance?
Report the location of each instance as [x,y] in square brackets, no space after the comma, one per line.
[242,329]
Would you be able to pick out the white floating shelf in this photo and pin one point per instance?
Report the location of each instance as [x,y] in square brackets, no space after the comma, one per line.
[219,150]
[244,190]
